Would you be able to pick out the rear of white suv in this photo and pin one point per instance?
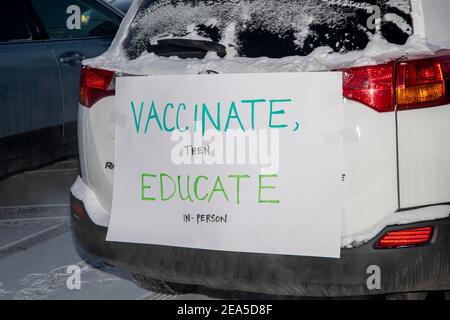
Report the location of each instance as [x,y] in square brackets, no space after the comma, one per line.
[396,145]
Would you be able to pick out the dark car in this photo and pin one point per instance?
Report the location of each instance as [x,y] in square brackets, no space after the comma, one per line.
[42,43]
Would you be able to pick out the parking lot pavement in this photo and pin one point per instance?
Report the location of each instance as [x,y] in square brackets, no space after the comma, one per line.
[37,245]
[40,272]
[47,187]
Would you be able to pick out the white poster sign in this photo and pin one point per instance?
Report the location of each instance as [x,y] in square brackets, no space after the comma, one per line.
[232,162]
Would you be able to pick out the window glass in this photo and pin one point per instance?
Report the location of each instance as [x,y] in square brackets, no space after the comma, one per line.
[122,5]
[12,23]
[65,19]
[271,28]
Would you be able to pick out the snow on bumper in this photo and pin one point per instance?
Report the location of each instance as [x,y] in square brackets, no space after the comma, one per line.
[396,219]
[94,209]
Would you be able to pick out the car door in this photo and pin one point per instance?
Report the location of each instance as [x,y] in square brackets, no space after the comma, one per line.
[76,30]
[31,114]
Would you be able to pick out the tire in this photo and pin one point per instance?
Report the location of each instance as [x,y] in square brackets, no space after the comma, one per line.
[160,286]
[407,296]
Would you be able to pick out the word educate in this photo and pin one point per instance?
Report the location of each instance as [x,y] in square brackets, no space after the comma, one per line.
[202,115]
[201,188]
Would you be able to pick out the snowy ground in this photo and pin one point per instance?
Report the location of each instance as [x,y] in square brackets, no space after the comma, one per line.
[37,245]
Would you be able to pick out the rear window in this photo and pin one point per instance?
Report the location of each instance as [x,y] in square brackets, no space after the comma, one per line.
[270,28]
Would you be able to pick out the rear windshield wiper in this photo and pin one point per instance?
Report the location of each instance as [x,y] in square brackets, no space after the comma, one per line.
[186,48]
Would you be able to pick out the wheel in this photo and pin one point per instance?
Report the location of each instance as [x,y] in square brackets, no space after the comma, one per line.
[407,296]
[160,286]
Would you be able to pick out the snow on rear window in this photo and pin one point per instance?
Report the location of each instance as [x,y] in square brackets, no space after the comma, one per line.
[270,28]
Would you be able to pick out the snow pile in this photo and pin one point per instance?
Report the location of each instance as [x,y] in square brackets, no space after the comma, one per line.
[321,59]
[399,218]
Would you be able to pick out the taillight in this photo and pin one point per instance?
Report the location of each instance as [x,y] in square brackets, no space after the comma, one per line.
[77,208]
[372,85]
[95,84]
[405,238]
[419,84]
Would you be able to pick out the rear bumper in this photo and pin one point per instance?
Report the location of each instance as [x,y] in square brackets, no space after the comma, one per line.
[419,268]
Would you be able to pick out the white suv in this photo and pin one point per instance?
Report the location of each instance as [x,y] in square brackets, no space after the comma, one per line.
[396,179]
